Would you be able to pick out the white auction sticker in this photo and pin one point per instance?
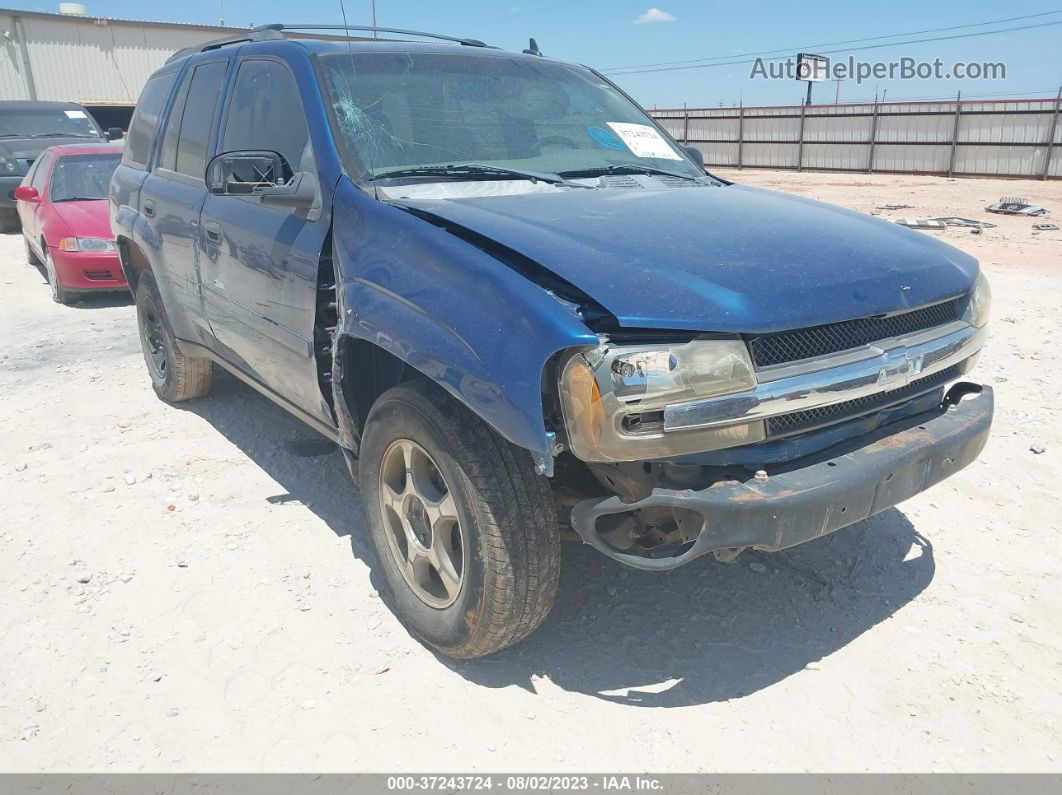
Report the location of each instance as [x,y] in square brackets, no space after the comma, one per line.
[643,140]
[75,114]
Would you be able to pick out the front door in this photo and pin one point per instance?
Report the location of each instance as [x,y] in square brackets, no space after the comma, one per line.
[258,262]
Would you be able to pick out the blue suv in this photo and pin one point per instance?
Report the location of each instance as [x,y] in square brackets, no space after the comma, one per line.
[522,311]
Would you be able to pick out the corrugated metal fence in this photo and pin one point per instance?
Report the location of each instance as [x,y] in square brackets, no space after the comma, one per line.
[1011,138]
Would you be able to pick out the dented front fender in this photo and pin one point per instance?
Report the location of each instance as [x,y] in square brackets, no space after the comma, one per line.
[458,315]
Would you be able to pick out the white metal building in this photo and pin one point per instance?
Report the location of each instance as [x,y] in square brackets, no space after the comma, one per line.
[100,62]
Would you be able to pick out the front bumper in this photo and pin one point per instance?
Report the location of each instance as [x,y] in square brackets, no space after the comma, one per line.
[811,497]
[88,270]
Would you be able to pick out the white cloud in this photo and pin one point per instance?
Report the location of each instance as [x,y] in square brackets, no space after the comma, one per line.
[654,15]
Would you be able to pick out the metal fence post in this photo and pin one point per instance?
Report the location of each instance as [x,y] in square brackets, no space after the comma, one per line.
[873,138]
[685,125]
[800,144]
[741,133]
[1051,135]
[955,133]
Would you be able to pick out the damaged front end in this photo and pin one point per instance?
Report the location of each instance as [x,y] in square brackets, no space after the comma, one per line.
[720,443]
[688,509]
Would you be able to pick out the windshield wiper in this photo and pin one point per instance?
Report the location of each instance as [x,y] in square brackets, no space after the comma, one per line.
[625,168]
[79,199]
[60,135]
[476,170]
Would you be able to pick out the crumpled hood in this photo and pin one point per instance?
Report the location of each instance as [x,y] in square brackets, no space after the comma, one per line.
[730,259]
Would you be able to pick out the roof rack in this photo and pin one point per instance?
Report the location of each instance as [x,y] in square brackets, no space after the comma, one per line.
[277,31]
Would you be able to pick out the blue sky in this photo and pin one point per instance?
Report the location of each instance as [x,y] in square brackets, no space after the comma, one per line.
[620,33]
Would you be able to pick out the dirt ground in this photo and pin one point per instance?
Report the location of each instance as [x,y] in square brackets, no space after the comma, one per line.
[242,629]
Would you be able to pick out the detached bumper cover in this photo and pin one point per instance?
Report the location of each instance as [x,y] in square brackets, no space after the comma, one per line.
[812,497]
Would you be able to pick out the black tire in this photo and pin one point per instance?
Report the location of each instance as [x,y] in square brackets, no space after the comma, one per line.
[60,294]
[31,255]
[174,376]
[510,539]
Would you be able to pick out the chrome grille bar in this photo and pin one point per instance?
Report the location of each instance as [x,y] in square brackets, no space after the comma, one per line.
[891,364]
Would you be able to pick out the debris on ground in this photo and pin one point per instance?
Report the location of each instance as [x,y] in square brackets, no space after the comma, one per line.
[1015,206]
[1045,227]
[894,207]
[1038,448]
[940,223]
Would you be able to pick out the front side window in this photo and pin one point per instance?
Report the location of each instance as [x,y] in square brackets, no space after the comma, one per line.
[410,110]
[82,177]
[265,113]
[47,123]
[146,119]
[40,174]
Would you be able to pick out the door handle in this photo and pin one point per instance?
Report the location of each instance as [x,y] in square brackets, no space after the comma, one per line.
[149,208]
[213,231]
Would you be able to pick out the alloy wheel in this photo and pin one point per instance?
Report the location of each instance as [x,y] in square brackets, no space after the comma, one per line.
[423,529]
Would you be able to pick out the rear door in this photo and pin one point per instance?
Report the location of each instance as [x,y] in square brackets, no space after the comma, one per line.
[174,193]
[259,261]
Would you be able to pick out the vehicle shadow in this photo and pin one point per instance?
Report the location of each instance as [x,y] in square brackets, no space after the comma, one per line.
[101,299]
[705,632]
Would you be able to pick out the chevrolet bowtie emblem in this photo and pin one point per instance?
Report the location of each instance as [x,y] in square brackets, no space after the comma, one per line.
[899,367]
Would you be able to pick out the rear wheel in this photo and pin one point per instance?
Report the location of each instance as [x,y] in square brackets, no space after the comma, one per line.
[60,294]
[174,376]
[465,530]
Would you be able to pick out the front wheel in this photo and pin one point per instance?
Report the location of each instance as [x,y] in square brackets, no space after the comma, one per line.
[465,530]
[60,294]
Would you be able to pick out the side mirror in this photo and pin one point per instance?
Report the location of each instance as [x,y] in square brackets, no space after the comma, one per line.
[114,133]
[27,193]
[261,174]
[696,154]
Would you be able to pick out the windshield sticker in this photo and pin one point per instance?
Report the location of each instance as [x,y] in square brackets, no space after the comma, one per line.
[605,138]
[75,114]
[644,140]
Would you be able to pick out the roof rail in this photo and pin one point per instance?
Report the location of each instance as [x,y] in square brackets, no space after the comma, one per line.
[261,33]
[277,30]
[370,29]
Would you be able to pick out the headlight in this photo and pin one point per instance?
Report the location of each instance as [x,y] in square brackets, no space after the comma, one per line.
[979,304]
[86,244]
[8,166]
[613,397]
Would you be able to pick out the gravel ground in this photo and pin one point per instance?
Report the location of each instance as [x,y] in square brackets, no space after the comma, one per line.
[190,588]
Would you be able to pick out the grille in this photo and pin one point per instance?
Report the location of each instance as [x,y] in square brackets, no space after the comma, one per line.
[98,276]
[791,346]
[797,421]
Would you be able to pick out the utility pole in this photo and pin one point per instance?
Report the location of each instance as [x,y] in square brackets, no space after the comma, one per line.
[374,20]
[837,95]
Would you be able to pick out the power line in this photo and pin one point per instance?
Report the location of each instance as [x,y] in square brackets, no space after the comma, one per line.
[845,49]
[834,43]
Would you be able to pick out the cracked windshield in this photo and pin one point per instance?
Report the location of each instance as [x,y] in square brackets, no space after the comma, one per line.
[402,116]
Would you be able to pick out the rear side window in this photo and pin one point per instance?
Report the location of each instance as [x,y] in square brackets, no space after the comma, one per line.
[146,119]
[187,140]
[265,112]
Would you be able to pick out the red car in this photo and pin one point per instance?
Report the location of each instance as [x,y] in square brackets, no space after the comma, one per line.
[62,203]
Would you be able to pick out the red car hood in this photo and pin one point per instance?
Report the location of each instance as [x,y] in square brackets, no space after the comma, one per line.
[85,218]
